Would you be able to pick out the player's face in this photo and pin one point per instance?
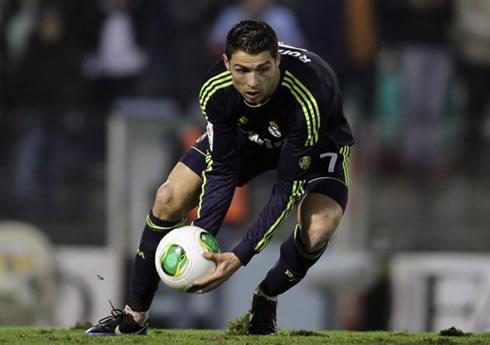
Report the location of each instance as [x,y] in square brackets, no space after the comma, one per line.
[254,76]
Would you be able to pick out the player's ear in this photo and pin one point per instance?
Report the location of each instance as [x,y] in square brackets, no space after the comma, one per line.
[226,61]
[278,59]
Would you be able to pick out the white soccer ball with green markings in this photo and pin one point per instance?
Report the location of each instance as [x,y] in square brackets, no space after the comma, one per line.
[178,258]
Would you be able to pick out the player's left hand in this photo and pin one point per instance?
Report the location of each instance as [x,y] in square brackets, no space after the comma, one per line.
[226,264]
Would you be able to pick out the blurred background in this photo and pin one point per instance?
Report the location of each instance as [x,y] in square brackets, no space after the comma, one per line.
[98,100]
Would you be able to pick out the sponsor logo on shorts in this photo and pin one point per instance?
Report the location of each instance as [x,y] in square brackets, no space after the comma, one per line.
[305,162]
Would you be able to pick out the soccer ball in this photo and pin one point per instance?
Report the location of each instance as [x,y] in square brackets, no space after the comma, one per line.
[178,258]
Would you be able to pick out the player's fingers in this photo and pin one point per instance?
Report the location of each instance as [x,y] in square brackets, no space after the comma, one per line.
[208,279]
[213,279]
[209,287]
[203,281]
[209,256]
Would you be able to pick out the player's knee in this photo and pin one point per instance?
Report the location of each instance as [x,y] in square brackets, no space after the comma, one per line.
[166,205]
[316,236]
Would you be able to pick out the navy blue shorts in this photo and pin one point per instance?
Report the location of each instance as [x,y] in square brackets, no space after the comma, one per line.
[329,171]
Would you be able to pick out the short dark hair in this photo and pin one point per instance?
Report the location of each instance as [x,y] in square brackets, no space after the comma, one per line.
[252,37]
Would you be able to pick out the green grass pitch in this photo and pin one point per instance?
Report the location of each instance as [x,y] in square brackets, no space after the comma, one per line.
[56,336]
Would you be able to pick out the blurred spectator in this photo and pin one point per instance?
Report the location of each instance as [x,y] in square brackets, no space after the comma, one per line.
[472,47]
[6,7]
[20,22]
[362,43]
[46,86]
[281,18]
[156,32]
[418,30]
[117,59]
[324,27]
[344,33]
[189,23]
[17,19]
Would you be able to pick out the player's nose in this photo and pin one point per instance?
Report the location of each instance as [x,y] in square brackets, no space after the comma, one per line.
[252,80]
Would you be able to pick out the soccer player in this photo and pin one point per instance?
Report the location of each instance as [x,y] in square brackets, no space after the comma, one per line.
[267,106]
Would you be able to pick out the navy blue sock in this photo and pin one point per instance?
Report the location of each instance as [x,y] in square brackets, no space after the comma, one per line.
[294,261]
[144,277]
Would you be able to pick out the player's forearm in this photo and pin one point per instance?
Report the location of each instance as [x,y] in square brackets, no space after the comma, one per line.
[284,197]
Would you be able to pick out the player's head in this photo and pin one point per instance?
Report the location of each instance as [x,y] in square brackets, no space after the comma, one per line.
[252,57]
[252,37]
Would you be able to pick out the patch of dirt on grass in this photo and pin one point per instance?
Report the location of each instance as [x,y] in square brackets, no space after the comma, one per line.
[239,326]
[454,332]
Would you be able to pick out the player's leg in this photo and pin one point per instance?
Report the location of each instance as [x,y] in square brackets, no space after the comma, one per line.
[318,217]
[319,214]
[174,199]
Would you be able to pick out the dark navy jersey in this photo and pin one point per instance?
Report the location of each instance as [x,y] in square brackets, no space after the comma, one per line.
[303,116]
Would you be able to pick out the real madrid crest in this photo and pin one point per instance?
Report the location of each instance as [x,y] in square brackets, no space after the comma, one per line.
[274,129]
